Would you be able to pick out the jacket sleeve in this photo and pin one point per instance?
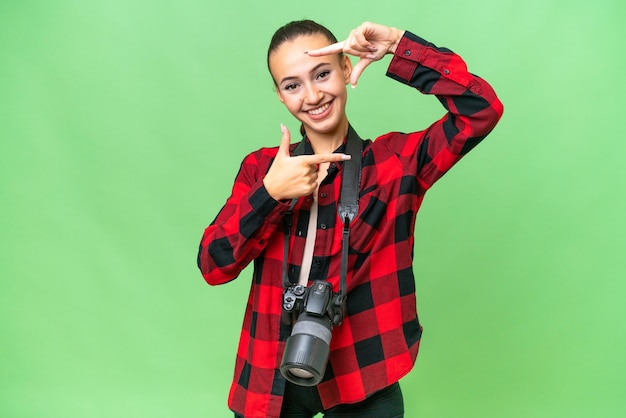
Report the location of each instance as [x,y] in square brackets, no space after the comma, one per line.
[473,109]
[241,229]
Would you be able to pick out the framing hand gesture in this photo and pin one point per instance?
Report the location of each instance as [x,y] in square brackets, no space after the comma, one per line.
[370,42]
[290,177]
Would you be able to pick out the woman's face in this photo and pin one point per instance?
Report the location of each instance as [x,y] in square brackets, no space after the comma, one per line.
[312,88]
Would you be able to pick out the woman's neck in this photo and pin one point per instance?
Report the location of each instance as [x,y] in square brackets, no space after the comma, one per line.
[326,143]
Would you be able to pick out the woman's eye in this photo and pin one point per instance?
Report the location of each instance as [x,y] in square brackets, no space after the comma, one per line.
[292,86]
[323,74]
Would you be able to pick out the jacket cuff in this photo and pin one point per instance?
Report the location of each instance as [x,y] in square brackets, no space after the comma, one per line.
[407,57]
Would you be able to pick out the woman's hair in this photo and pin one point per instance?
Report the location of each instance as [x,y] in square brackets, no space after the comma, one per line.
[295,29]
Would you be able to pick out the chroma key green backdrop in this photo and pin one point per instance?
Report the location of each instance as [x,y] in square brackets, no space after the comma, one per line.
[122,126]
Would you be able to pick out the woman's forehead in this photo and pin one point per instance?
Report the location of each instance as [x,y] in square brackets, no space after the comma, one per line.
[291,54]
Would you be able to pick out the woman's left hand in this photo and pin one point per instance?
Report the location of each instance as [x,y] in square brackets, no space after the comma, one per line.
[370,42]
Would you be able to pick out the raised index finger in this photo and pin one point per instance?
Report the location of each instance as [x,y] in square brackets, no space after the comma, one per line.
[327,50]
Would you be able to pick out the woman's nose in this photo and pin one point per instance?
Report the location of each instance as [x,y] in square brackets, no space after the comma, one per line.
[312,95]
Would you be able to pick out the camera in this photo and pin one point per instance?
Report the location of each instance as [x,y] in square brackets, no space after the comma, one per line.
[315,311]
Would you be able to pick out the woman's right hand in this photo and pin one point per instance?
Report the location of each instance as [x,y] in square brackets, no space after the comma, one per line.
[291,177]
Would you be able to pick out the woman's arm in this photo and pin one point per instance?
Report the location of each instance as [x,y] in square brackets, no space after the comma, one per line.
[472,107]
[241,229]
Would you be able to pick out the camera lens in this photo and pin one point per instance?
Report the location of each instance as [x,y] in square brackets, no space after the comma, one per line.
[301,373]
[307,350]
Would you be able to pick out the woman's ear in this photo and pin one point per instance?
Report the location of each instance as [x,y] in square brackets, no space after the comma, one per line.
[347,68]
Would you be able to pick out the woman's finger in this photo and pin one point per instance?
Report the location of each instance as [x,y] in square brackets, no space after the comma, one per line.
[358,69]
[335,48]
[360,41]
[323,158]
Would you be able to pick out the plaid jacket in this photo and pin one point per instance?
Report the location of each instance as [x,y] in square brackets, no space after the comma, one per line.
[378,341]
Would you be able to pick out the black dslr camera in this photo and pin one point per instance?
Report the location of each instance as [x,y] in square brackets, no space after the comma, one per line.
[315,311]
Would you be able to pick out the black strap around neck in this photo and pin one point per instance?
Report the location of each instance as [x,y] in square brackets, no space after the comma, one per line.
[347,209]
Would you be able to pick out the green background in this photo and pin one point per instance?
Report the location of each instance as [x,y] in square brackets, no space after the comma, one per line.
[122,126]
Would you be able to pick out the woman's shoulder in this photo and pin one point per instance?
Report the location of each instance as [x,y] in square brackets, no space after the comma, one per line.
[261,154]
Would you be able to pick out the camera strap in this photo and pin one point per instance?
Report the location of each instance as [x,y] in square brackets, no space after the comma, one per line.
[347,209]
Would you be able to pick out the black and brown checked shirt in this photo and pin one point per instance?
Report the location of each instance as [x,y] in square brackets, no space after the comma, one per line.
[378,341]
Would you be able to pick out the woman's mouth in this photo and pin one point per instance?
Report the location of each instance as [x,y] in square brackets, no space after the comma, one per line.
[319,110]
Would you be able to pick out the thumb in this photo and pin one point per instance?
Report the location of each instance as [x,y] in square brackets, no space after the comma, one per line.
[285,141]
[358,69]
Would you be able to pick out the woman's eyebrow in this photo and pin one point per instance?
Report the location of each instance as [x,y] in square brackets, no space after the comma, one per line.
[314,69]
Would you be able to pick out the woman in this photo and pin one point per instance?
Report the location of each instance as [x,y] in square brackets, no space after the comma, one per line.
[378,340]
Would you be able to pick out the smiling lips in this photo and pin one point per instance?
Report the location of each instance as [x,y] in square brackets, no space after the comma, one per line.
[319,110]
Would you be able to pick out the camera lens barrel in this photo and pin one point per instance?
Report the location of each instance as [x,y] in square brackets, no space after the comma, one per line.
[318,326]
[307,350]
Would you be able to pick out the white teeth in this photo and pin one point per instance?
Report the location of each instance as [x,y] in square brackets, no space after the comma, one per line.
[319,109]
